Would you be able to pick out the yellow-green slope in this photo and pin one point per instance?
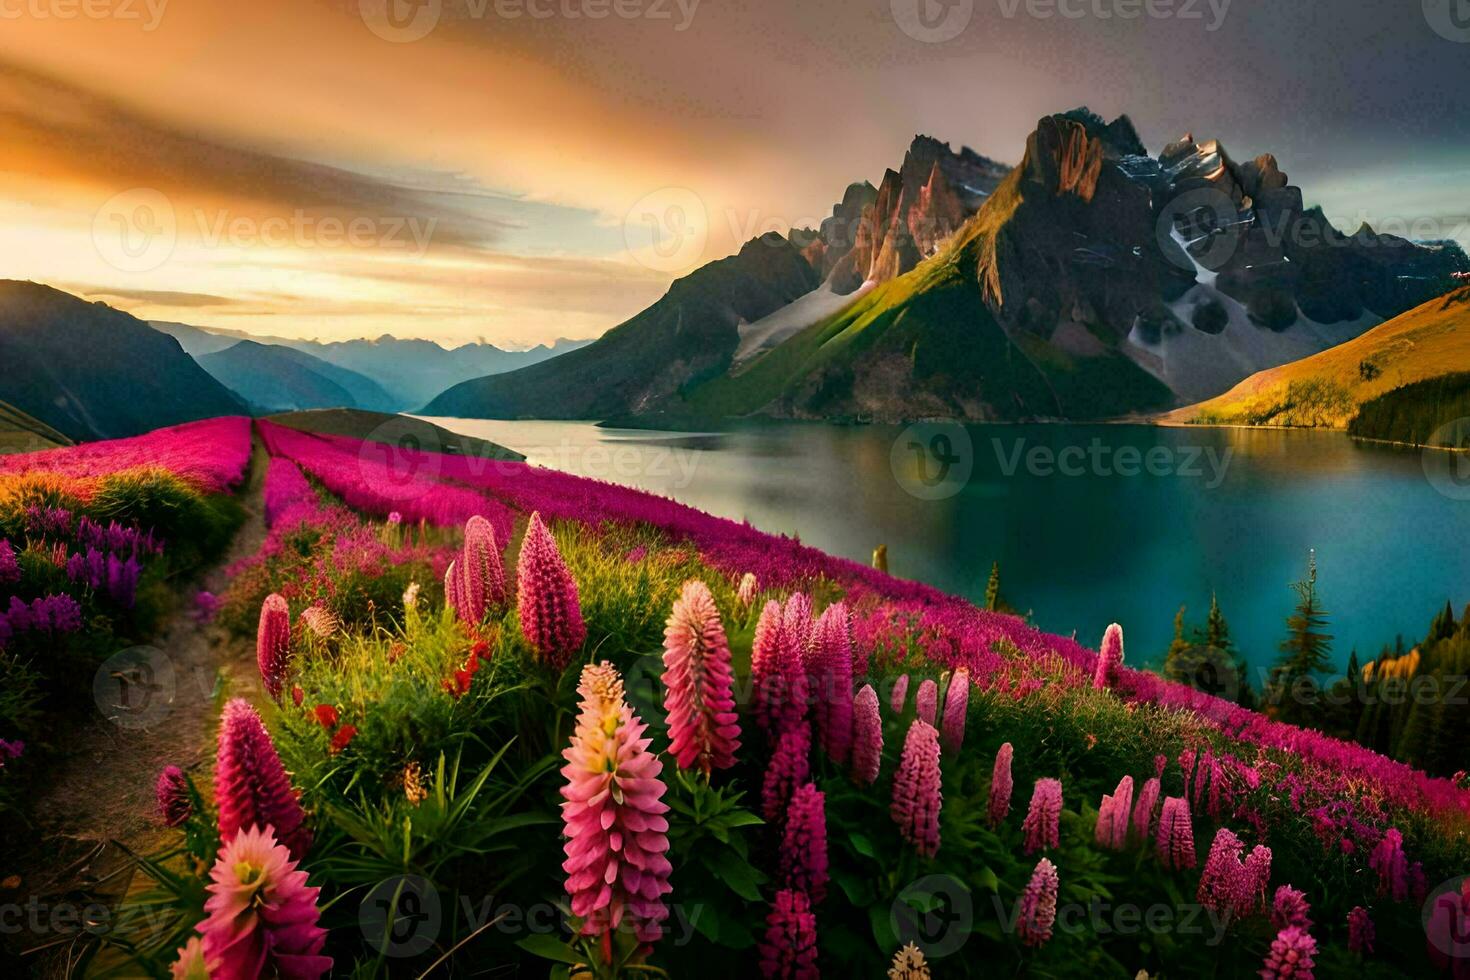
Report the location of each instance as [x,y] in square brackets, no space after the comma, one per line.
[19,433]
[1326,389]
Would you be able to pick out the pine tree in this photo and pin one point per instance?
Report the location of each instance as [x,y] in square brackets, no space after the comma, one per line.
[1306,649]
[992,588]
[1175,667]
[1217,631]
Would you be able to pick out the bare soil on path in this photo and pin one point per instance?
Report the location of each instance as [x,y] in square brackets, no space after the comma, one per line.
[100,792]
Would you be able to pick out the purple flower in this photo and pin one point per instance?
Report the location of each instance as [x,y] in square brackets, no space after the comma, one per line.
[9,566]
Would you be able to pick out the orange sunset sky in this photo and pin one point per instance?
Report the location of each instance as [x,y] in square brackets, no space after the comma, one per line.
[306,169]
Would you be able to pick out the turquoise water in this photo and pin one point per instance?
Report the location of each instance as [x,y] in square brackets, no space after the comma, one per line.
[1090,524]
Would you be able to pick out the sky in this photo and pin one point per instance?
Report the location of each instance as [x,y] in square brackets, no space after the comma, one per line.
[523,170]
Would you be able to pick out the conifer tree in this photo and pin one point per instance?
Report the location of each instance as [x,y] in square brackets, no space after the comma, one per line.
[992,588]
[1306,649]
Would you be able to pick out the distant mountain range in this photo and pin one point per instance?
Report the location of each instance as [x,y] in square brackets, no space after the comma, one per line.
[403,374]
[284,379]
[92,372]
[1091,281]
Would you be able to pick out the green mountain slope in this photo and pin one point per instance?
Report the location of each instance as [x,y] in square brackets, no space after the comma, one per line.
[278,379]
[93,372]
[20,433]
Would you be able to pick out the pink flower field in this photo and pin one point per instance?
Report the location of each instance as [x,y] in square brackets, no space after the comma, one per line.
[654,742]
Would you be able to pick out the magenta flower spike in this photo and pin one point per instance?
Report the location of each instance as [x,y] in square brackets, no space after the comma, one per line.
[1001,786]
[1291,957]
[789,768]
[926,702]
[916,789]
[483,573]
[1109,658]
[1290,908]
[1175,840]
[899,694]
[251,787]
[803,857]
[1143,810]
[867,737]
[172,792]
[1114,814]
[1043,817]
[789,949]
[262,918]
[1361,934]
[273,643]
[704,731]
[617,842]
[546,594]
[829,681]
[1038,911]
[956,707]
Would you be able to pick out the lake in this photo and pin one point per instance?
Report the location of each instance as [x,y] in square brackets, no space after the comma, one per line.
[1090,523]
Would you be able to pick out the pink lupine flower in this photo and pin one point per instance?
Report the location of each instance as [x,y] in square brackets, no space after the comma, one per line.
[483,574]
[262,915]
[916,789]
[172,793]
[867,737]
[273,643]
[899,694]
[251,787]
[704,731]
[926,702]
[1223,885]
[1257,877]
[1361,933]
[1043,817]
[829,680]
[1392,866]
[546,593]
[1038,911]
[746,592]
[1175,840]
[789,950]
[1291,956]
[617,836]
[1000,786]
[190,963]
[789,768]
[1448,929]
[777,671]
[1160,762]
[1143,809]
[9,566]
[1186,767]
[956,706]
[803,858]
[1109,657]
[1290,908]
[796,619]
[1114,814]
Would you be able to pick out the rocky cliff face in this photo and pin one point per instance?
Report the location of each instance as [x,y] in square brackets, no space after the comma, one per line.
[879,234]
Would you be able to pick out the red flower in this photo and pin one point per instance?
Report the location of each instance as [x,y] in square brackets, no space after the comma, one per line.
[326,716]
[343,738]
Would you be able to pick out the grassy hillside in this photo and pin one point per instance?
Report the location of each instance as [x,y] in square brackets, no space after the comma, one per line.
[19,433]
[1327,389]
[1419,413]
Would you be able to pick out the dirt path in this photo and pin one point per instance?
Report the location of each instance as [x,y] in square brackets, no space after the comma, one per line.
[101,792]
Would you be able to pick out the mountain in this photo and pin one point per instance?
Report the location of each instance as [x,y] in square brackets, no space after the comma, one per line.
[20,433]
[93,372]
[691,333]
[281,379]
[1094,281]
[410,372]
[1328,388]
